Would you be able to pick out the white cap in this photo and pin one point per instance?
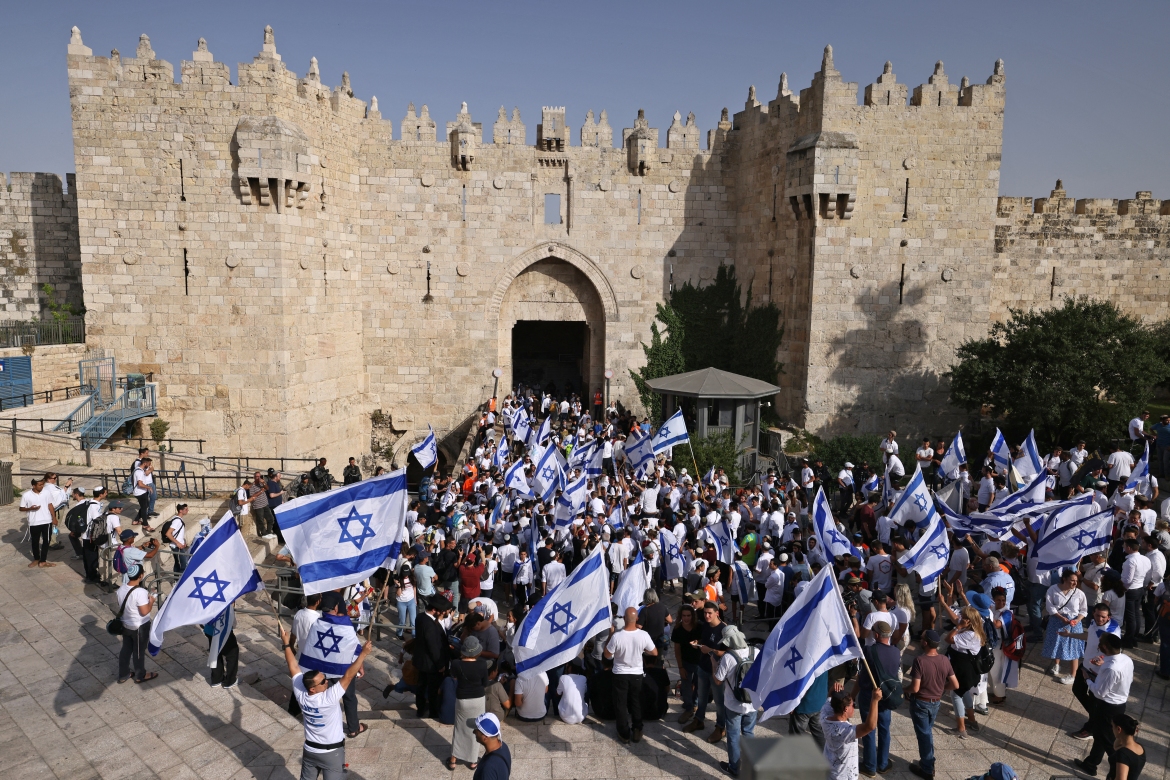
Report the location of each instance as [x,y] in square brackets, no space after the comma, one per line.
[783,558]
[848,465]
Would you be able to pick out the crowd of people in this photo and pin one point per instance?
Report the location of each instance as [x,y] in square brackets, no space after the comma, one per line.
[479,551]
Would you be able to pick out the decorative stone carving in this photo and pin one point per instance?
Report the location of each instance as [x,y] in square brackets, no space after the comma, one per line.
[393,267]
[674,186]
[231,261]
[637,272]
[948,274]
[605,185]
[855,272]
[463,269]
[499,182]
[427,180]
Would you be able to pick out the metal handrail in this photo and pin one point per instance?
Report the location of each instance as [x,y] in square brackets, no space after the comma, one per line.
[132,404]
[45,396]
[170,442]
[42,332]
[243,464]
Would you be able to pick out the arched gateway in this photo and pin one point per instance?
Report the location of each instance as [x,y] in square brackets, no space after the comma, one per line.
[552,307]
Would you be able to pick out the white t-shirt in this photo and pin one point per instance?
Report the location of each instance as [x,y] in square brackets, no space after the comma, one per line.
[532,688]
[840,745]
[725,673]
[875,617]
[627,648]
[572,692]
[42,515]
[1120,465]
[322,714]
[241,495]
[490,567]
[131,618]
[552,574]
[960,560]
[140,475]
[902,615]
[1137,427]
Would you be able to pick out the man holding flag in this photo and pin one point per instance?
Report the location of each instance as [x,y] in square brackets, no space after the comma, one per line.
[324,751]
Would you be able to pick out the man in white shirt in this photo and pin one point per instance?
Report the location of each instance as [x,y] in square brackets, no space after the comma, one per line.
[1108,693]
[761,571]
[1120,465]
[889,446]
[37,505]
[774,591]
[626,648]
[571,689]
[740,717]
[923,455]
[1137,427]
[845,486]
[135,604]
[324,751]
[1154,577]
[1133,579]
[553,573]
[895,470]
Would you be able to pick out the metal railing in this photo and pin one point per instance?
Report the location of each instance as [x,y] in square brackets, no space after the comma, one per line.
[132,404]
[43,332]
[243,465]
[43,396]
[169,442]
[173,484]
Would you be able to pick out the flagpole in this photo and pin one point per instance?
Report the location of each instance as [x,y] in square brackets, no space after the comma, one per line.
[861,647]
[698,476]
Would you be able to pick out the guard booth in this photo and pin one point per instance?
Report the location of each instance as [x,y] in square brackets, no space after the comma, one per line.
[714,401]
[15,382]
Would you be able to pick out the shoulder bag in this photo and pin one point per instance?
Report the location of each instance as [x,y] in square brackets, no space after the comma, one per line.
[115,626]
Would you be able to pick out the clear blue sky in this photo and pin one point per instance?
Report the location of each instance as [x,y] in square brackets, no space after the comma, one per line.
[1087,93]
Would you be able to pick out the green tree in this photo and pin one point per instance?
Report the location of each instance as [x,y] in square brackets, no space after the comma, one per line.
[710,327]
[1082,369]
[836,452]
[717,450]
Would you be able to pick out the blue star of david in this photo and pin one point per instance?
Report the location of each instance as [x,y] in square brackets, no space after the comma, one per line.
[672,551]
[569,617]
[939,550]
[347,535]
[1084,539]
[835,537]
[920,501]
[548,473]
[206,599]
[320,644]
[793,659]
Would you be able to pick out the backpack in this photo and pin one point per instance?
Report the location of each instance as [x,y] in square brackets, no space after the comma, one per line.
[1015,644]
[985,659]
[119,561]
[128,484]
[75,519]
[740,693]
[98,535]
[170,526]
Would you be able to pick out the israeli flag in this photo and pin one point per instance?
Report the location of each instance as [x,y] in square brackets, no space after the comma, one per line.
[1139,478]
[742,581]
[1029,464]
[674,565]
[833,543]
[596,462]
[617,517]
[501,456]
[1069,534]
[550,473]
[888,492]
[641,457]
[930,554]
[1001,452]
[632,584]
[555,630]
[331,646]
[341,537]
[915,503]
[672,432]
[870,485]
[221,629]
[502,504]
[953,458]
[218,572]
[521,428]
[709,477]
[425,452]
[980,522]
[721,538]
[1014,503]
[572,501]
[543,433]
[514,479]
[580,456]
[813,636]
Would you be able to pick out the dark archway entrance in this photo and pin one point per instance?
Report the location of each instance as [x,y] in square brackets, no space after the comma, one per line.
[552,356]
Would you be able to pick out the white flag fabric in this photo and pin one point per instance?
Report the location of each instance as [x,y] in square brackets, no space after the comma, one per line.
[521,428]
[1139,478]
[596,463]
[218,572]
[555,630]
[617,517]
[1014,503]
[870,485]
[543,432]
[501,456]
[502,504]
[672,432]
[341,537]
[980,522]
[931,553]
[953,458]
[674,565]
[709,477]
[1072,532]
[221,629]
[915,502]
[572,501]
[742,582]
[720,536]
[550,473]
[813,636]
[1001,451]
[1029,464]
[582,454]
[632,584]
[514,479]
[641,456]
[833,543]
[426,452]
[331,645]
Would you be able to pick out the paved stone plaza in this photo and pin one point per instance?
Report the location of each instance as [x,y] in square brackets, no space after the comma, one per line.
[62,715]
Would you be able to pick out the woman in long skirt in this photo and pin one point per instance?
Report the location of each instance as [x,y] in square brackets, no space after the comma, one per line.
[1066,607]
[471,678]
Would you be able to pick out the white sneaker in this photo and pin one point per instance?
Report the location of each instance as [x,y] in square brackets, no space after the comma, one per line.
[1065,680]
[1055,670]
[269,536]
[234,684]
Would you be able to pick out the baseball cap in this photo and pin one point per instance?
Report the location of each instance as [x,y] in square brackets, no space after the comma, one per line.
[127,534]
[852,580]
[932,637]
[883,628]
[486,724]
[848,465]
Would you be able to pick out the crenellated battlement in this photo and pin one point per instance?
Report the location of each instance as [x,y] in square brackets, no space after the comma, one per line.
[1058,204]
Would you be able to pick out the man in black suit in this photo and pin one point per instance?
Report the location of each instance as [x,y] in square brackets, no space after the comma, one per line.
[431,655]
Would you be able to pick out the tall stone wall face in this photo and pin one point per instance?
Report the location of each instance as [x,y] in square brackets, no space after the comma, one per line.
[38,245]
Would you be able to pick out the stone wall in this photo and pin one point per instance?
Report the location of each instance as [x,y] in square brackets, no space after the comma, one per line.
[38,245]
[54,367]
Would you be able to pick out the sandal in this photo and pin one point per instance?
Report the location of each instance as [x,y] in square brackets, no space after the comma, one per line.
[47,565]
[362,729]
[473,766]
[122,680]
[451,764]
[34,564]
[147,678]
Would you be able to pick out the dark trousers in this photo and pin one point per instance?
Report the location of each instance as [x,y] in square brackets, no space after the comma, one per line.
[1150,614]
[427,696]
[39,535]
[1080,689]
[627,703]
[521,595]
[1164,648]
[1101,727]
[134,650]
[144,508]
[349,703]
[807,723]
[89,559]
[1133,616]
[75,542]
[228,663]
